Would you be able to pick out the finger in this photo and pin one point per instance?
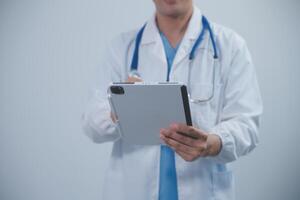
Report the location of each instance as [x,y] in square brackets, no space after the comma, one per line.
[178,146]
[185,156]
[113,117]
[179,137]
[199,146]
[132,79]
[189,130]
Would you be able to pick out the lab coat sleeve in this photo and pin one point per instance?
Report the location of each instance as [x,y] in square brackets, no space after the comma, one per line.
[241,108]
[96,120]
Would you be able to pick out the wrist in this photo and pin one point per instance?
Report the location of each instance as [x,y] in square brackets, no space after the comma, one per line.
[214,145]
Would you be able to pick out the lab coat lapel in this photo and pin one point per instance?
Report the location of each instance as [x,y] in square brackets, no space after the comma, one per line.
[193,30]
[152,40]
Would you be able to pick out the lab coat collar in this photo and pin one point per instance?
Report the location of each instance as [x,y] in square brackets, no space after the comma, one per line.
[151,32]
[151,36]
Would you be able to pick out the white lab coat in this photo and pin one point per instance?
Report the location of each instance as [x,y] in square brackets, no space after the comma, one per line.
[233,113]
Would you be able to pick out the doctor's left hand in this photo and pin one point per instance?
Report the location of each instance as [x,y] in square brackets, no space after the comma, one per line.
[132,79]
[201,145]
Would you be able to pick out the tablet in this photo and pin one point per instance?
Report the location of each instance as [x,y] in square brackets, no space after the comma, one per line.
[142,109]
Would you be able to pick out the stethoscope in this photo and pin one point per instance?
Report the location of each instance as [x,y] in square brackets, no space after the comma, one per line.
[206,26]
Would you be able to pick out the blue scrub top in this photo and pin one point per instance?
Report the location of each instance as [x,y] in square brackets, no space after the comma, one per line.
[167,178]
[170,52]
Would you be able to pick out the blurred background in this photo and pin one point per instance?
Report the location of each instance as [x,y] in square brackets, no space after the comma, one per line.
[50,52]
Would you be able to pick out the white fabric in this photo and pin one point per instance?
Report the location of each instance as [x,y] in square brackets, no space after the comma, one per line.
[233,113]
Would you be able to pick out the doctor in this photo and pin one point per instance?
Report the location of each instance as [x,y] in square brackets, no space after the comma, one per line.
[180,44]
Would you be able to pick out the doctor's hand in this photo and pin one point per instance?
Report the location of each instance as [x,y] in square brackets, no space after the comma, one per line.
[132,79]
[178,137]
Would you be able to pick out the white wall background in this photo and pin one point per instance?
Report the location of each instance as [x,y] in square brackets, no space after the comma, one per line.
[49,56]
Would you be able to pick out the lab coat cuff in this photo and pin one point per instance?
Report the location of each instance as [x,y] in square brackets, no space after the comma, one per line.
[226,153]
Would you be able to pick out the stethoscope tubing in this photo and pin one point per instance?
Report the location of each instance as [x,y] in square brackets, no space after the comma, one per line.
[205,26]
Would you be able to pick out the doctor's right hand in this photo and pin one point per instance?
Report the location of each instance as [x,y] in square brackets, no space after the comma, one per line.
[131,79]
[203,144]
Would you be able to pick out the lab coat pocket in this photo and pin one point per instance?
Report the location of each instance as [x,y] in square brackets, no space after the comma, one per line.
[223,185]
[200,97]
[201,93]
